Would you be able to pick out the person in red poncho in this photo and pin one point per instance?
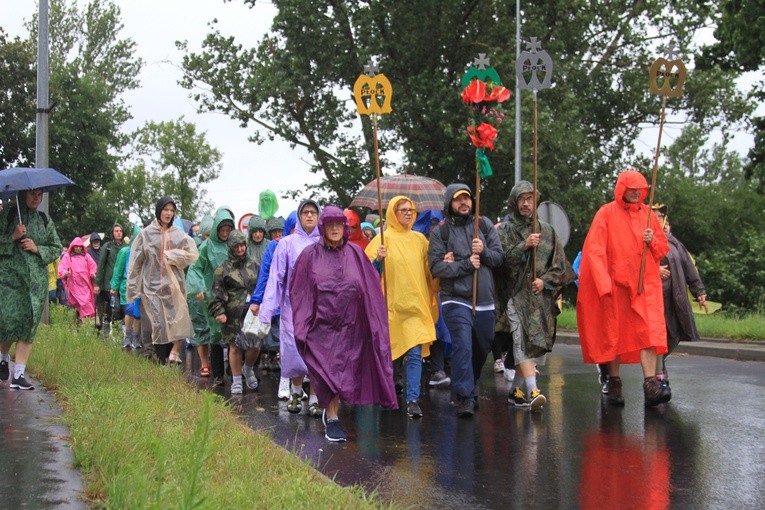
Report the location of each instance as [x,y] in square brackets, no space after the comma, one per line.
[616,324]
[357,236]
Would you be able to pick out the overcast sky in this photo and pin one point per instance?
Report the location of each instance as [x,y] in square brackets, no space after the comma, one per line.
[247,168]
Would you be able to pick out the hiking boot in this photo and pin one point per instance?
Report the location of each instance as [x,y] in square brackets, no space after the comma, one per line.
[413,409]
[295,406]
[334,431]
[614,391]
[315,411]
[537,400]
[603,377]
[654,392]
[284,389]
[5,371]
[19,383]
[236,388]
[517,398]
[439,379]
[465,407]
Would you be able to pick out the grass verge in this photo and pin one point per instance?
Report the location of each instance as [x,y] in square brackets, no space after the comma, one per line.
[144,438]
[718,325]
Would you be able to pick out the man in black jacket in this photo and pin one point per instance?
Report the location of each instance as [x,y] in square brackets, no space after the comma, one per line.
[107,259]
[455,253]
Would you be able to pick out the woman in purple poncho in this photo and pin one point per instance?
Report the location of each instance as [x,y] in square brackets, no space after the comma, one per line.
[341,324]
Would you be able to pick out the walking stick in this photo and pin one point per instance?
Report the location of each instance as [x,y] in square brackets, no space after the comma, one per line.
[534,61]
[534,192]
[475,233]
[379,204]
[661,68]
[368,91]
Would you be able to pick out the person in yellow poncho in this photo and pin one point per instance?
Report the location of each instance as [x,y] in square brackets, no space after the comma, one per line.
[411,293]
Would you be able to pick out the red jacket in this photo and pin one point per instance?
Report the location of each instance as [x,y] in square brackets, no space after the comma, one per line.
[613,320]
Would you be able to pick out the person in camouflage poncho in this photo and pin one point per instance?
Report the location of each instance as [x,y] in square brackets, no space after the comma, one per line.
[233,283]
[531,303]
[28,243]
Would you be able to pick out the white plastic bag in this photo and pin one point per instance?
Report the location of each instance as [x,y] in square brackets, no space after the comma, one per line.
[253,329]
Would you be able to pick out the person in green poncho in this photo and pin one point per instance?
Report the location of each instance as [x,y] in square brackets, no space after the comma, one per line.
[28,243]
[256,239]
[199,280]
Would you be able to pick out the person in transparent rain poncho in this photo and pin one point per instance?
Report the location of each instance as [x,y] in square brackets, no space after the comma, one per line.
[155,274]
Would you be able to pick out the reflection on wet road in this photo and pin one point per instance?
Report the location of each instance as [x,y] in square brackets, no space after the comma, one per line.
[703,450]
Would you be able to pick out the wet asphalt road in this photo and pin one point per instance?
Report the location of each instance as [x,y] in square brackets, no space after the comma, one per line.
[705,449]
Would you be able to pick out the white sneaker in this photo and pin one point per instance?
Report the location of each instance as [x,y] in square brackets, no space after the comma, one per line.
[284,388]
[236,388]
[509,374]
[499,366]
[250,379]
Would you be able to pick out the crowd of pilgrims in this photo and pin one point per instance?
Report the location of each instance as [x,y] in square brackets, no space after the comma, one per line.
[355,314]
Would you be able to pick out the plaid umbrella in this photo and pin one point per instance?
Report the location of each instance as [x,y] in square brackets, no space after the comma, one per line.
[426,193]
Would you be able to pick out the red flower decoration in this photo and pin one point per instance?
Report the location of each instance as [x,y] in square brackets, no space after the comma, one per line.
[475,92]
[499,94]
[483,136]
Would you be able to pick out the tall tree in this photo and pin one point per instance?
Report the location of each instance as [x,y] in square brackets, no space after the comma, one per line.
[91,66]
[17,102]
[177,158]
[296,85]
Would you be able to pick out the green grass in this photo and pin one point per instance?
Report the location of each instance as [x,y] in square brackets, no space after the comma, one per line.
[717,325]
[144,438]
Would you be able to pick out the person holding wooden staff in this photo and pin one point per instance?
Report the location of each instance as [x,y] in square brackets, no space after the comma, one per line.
[455,252]
[616,323]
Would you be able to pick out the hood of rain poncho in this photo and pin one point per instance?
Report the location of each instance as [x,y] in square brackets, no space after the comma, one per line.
[412,302]
[423,222]
[290,223]
[366,225]
[512,201]
[332,213]
[256,223]
[255,250]
[357,236]
[94,237]
[217,251]
[136,230]
[236,237]
[298,225]
[340,327]
[267,204]
[275,223]
[77,241]
[161,203]
[630,179]
[155,274]
[205,225]
[452,190]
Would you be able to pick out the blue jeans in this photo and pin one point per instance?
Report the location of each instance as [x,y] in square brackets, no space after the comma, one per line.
[413,373]
[471,343]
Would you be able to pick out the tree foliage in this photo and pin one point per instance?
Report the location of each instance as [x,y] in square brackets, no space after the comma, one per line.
[17,102]
[296,85]
[173,159]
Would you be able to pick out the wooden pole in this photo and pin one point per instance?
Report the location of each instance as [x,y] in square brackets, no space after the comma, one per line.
[379,204]
[534,198]
[475,233]
[653,189]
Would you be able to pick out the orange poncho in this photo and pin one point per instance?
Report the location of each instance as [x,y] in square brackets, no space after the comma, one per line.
[613,320]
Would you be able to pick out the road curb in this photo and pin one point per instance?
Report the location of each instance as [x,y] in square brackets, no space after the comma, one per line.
[722,348]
